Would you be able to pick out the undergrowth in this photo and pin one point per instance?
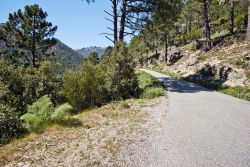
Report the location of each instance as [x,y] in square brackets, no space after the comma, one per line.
[149,86]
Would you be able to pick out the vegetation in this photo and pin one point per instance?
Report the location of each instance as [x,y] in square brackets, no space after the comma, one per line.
[43,112]
[28,36]
[10,125]
[94,84]
[149,86]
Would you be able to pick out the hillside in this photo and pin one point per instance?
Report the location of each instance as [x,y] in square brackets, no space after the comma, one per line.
[67,56]
[227,64]
[86,51]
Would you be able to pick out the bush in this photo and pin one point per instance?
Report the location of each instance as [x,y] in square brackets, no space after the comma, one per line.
[121,81]
[82,88]
[10,125]
[43,112]
[23,86]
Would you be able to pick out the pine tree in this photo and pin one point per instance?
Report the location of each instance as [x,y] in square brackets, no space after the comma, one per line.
[29,35]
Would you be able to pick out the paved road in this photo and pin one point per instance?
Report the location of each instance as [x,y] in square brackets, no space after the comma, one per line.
[200,128]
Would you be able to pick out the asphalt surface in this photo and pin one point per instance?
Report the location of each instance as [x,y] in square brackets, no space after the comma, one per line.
[201,128]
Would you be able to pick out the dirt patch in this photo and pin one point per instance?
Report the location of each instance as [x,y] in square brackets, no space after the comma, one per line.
[96,140]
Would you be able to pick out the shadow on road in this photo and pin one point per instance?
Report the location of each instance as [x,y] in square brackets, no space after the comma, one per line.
[174,85]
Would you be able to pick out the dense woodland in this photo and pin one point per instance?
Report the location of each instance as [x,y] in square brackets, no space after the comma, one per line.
[38,88]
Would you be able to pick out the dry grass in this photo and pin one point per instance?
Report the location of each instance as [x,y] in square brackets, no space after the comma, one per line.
[92,138]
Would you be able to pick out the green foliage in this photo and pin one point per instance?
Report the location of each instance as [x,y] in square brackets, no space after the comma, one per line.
[150,93]
[138,48]
[10,125]
[112,79]
[82,88]
[43,112]
[67,57]
[61,112]
[149,86]
[121,81]
[22,86]
[28,36]
[240,92]
[107,52]
[93,57]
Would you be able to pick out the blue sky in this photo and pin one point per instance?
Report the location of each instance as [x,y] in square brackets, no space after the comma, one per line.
[79,24]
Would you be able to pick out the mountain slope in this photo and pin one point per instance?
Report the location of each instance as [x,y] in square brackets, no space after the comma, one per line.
[86,51]
[67,56]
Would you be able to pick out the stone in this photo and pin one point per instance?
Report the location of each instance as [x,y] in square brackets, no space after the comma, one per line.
[224,73]
[197,44]
[208,70]
[173,55]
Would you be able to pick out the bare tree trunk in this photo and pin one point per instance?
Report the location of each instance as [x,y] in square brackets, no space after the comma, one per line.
[166,48]
[123,20]
[248,24]
[115,17]
[231,28]
[190,24]
[207,26]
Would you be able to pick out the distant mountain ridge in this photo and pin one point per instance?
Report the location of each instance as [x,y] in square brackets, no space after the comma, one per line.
[85,52]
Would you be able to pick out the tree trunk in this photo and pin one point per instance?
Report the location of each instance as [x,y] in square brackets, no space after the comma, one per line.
[166,48]
[207,26]
[231,28]
[123,20]
[248,24]
[115,17]
[190,24]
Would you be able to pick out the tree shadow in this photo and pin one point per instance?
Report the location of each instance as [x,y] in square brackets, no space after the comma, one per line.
[181,86]
[208,78]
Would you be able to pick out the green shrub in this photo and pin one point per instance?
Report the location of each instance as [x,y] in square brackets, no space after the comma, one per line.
[61,112]
[83,88]
[10,125]
[43,112]
[152,92]
[240,92]
[149,86]
[121,81]
[23,86]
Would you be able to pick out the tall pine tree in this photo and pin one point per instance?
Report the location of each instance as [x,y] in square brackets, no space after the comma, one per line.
[28,35]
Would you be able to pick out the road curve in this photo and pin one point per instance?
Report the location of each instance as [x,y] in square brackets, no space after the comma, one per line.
[200,128]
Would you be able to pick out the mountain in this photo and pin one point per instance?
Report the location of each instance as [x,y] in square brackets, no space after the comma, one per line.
[86,51]
[67,56]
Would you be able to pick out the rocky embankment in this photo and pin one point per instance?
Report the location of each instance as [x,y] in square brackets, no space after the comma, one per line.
[227,63]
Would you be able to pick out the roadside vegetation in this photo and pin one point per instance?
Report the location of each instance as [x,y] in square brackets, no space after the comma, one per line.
[36,91]
[149,86]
